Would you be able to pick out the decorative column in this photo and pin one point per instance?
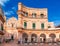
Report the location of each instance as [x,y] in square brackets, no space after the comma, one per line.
[21,38]
[29,38]
[47,37]
[19,35]
[38,39]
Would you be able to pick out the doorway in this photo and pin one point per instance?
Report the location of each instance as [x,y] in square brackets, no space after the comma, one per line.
[12,37]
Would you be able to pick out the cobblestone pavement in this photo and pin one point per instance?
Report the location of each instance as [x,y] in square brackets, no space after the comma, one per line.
[40,44]
[11,44]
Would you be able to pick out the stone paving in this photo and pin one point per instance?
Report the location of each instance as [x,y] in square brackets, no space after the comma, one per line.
[12,44]
[40,44]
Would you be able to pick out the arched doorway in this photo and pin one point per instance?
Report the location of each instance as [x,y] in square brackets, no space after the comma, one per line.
[12,37]
[53,36]
[33,38]
[25,38]
[43,37]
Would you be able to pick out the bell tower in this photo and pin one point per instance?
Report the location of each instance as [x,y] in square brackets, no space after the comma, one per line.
[19,14]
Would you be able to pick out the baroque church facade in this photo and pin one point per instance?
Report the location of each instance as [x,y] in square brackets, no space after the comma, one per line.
[31,26]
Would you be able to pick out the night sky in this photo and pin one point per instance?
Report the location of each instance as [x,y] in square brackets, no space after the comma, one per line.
[10,8]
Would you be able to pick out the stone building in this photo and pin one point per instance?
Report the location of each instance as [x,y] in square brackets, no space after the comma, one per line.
[31,26]
[2,20]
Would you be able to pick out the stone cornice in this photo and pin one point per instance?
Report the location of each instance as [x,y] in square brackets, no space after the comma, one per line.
[39,29]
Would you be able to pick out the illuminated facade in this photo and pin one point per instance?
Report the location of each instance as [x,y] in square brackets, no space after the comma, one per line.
[31,26]
[2,20]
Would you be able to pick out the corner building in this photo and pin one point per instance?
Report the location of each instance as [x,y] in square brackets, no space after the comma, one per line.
[2,20]
[32,25]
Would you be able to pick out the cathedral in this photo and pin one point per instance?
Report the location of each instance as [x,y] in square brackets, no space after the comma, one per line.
[31,26]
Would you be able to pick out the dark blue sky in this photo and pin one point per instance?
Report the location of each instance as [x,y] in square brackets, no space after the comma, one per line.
[10,8]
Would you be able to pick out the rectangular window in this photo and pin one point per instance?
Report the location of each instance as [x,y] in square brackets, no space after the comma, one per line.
[33,15]
[42,15]
[33,25]
[25,24]
[42,26]
[0,28]
[26,14]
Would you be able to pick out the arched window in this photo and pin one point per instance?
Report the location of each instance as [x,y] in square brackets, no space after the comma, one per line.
[33,25]
[42,26]
[25,24]
[12,24]
[49,26]
[42,15]
[33,15]
[26,13]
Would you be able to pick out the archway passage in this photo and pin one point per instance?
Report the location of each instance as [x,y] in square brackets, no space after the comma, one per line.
[53,36]
[43,36]
[25,38]
[12,37]
[33,38]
